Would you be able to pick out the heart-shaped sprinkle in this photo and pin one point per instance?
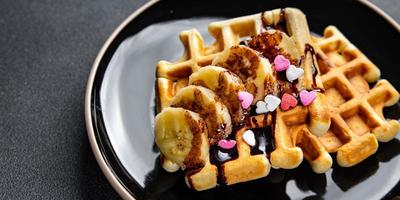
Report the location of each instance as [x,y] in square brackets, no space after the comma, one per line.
[307,97]
[245,99]
[249,138]
[281,63]
[293,73]
[269,104]
[272,102]
[222,156]
[288,101]
[261,107]
[226,144]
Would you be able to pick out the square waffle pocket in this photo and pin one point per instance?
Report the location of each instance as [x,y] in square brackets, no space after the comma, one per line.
[199,103]
[357,110]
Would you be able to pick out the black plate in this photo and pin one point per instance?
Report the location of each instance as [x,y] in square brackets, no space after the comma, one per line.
[368,30]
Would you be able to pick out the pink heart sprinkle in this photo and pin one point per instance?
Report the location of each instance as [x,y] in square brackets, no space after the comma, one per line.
[288,101]
[281,63]
[226,144]
[245,99]
[306,97]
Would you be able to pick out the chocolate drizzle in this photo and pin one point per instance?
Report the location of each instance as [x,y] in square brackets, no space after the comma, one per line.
[244,42]
[284,86]
[218,156]
[280,25]
[263,22]
[267,44]
[253,110]
[309,49]
[264,141]
[189,174]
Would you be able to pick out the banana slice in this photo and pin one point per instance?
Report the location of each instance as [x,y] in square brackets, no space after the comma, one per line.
[225,84]
[181,136]
[168,165]
[274,42]
[254,70]
[204,101]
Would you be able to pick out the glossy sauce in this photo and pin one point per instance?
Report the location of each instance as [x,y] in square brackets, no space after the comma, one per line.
[189,175]
[310,49]
[218,156]
[284,85]
[264,141]
[281,25]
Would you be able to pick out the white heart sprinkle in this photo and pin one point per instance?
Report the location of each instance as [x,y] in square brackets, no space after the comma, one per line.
[293,73]
[261,107]
[272,102]
[249,138]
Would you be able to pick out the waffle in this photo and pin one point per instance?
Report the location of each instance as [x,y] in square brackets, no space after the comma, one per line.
[357,118]
[295,130]
[289,148]
[346,116]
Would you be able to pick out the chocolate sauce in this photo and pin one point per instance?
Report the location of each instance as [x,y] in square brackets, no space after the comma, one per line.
[310,49]
[252,111]
[244,42]
[264,141]
[281,25]
[189,175]
[284,86]
[282,22]
[254,120]
[265,121]
[219,155]
[263,23]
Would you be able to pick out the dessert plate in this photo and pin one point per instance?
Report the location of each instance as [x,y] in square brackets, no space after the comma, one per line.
[120,105]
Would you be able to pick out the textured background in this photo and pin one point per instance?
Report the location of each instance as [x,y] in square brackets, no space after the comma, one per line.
[46,51]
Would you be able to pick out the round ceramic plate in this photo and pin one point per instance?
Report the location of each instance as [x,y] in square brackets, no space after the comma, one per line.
[120,102]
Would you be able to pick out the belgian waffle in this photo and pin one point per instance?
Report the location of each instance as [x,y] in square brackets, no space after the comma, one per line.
[301,131]
[357,118]
[171,77]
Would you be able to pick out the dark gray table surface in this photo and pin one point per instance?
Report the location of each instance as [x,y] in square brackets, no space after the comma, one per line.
[46,52]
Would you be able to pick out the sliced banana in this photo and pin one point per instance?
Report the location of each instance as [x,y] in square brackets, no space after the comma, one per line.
[254,70]
[204,101]
[225,84]
[181,136]
[168,165]
[275,42]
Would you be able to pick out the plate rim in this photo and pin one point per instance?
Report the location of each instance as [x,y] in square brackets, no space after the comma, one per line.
[101,161]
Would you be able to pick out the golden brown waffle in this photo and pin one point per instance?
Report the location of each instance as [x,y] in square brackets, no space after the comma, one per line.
[357,118]
[292,137]
[292,129]
[173,76]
